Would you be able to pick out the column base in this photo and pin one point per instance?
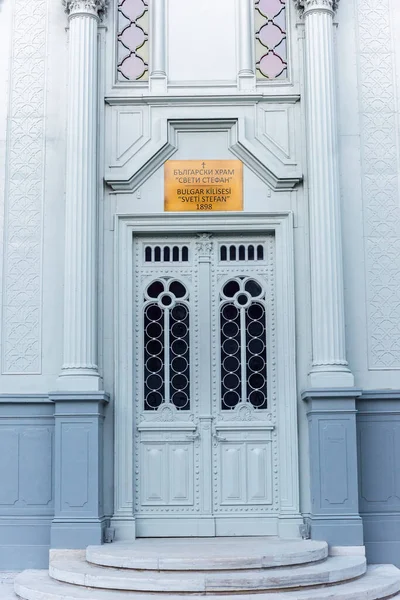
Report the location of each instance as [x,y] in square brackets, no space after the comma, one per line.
[79,516]
[341,531]
[321,377]
[158,84]
[77,534]
[246,82]
[334,514]
[125,528]
[289,526]
[83,380]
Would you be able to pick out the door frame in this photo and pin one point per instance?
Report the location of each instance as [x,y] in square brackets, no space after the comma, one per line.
[281,226]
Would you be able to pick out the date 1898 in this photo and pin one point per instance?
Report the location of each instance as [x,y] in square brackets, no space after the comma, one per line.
[203,185]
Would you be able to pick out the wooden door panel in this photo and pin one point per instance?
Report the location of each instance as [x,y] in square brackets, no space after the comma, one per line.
[154,481]
[259,473]
[232,462]
[180,473]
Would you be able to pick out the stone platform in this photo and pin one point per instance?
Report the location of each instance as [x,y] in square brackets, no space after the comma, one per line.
[179,568]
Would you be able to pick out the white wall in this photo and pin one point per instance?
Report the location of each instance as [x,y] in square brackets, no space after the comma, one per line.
[201,41]
[6,15]
[33,177]
[368,62]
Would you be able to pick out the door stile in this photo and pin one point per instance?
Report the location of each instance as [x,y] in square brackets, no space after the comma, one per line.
[204,247]
[243,354]
[166,354]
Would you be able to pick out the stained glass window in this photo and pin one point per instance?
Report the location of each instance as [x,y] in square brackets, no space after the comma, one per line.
[243,344]
[133,40]
[166,345]
[271,51]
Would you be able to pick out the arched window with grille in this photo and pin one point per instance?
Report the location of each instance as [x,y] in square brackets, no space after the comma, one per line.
[243,344]
[166,341]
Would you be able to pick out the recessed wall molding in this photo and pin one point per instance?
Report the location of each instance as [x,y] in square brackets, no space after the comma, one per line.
[154,143]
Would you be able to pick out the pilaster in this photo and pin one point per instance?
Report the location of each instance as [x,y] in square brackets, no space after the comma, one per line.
[79,518]
[80,371]
[329,364]
[245,36]
[334,515]
[158,24]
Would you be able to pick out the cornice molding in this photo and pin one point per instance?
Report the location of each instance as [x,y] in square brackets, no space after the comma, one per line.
[95,8]
[306,6]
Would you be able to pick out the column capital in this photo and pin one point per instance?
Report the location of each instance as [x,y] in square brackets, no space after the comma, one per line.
[95,8]
[307,6]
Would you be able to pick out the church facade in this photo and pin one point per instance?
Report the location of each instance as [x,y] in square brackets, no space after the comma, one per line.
[200,273]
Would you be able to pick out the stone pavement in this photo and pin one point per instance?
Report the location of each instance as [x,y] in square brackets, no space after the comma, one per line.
[6,585]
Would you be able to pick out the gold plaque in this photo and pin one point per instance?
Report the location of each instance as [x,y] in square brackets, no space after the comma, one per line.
[203,185]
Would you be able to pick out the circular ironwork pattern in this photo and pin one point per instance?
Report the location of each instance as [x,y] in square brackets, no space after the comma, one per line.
[154,388]
[166,345]
[256,356]
[243,344]
[230,355]
[179,357]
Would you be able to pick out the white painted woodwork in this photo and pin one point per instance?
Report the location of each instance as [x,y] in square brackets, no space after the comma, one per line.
[245,37]
[168,449]
[329,364]
[165,505]
[158,47]
[80,370]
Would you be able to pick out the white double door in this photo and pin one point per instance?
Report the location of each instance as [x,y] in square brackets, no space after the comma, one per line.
[205,435]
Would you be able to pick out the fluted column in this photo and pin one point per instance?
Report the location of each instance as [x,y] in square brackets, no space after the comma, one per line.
[158,54]
[329,365]
[80,371]
[245,36]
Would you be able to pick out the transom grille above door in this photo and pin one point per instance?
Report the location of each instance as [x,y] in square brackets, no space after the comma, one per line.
[166,253]
[241,252]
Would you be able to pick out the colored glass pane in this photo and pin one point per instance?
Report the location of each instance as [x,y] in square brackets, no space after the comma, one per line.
[270,39]
[133,27]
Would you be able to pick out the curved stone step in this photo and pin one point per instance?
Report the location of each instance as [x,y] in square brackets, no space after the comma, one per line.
[71,567]
[207,554]
[380,581]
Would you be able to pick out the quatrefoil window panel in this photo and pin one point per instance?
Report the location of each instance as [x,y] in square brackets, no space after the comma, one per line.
[270,39]
[133,40]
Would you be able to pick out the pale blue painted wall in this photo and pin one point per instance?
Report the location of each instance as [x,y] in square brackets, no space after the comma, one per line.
[26,480]
[378,425]
[51,473]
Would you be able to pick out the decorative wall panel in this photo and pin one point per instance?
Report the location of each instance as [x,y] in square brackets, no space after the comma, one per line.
[26,452]
[75,444]
[334,450]
[379,446]
[378,106]
[21,319]
[9,465]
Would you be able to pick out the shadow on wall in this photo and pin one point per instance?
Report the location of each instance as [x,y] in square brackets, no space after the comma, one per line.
[378,429]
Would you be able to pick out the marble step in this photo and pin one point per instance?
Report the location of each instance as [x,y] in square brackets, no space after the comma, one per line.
[380,581]
[70,566]
[207,554]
